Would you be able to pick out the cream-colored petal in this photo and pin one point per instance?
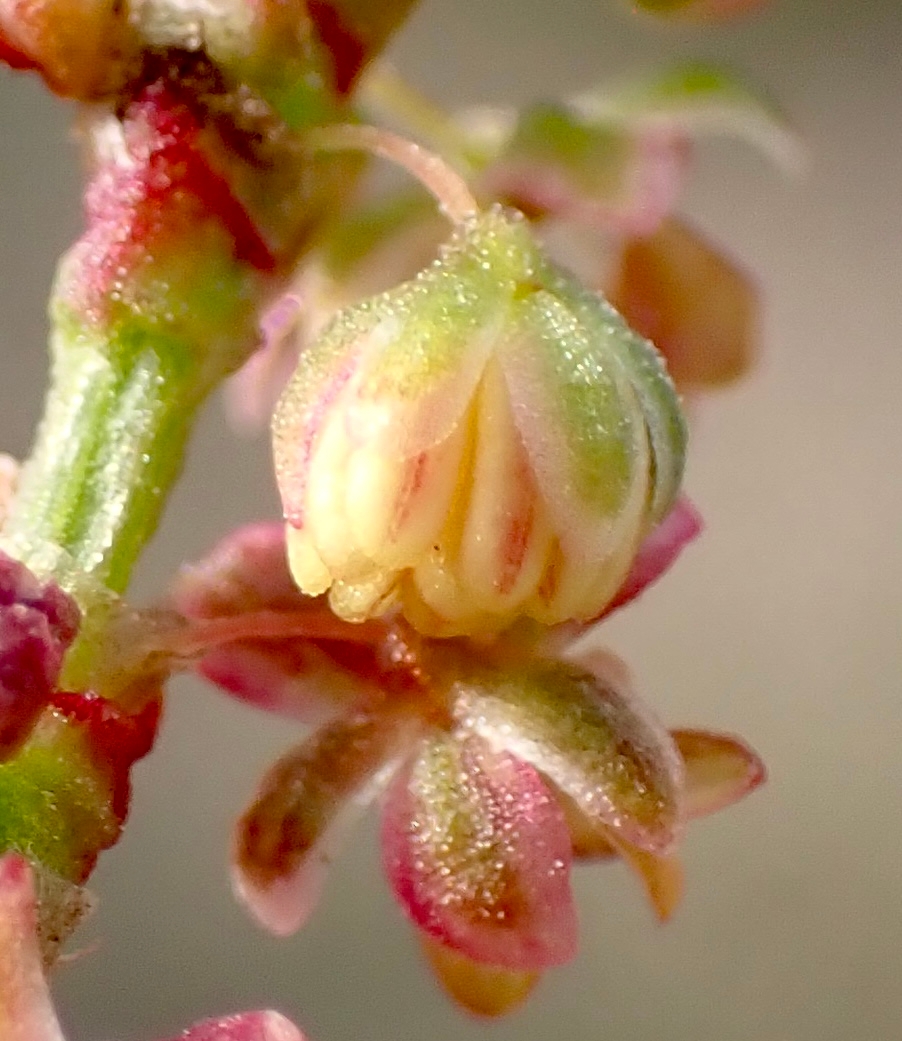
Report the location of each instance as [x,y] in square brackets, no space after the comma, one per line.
[325,515]
[506,535]
[306,565]
[397,508]
[364,597]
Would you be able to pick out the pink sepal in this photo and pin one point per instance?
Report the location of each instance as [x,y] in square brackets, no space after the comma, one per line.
[697,305]
[477,852]
[720,769]
[634,193]
[261,641]
[659,551]
[296,681]
[245,571]
[580,723]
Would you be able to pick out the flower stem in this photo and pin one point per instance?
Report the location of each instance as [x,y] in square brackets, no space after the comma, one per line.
[389,95]
[200,636]
[430,169]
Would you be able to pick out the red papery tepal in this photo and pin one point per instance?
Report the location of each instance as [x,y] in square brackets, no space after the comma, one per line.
[698,306]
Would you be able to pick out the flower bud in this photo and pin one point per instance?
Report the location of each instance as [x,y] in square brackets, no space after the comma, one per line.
[487,442]
[38,622]
[84,49]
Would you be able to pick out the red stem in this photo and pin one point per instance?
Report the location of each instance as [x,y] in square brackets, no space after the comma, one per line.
[272,625]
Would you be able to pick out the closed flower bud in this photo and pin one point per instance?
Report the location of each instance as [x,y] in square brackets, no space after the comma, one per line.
[487,442]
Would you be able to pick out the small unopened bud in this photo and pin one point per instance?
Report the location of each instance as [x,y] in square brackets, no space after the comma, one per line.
[37,624]
[486,442]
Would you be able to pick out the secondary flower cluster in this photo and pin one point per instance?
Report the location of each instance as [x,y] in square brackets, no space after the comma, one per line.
[475,467]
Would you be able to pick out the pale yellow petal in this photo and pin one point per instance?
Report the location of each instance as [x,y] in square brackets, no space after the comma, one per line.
[506,535]
[306,565]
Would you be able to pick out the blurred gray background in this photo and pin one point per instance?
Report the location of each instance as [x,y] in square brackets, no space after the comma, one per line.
[783,623]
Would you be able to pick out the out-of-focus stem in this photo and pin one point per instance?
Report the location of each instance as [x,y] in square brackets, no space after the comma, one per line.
[449,188]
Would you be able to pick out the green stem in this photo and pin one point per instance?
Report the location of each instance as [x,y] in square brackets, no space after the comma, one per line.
[430,169]
[109,448]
